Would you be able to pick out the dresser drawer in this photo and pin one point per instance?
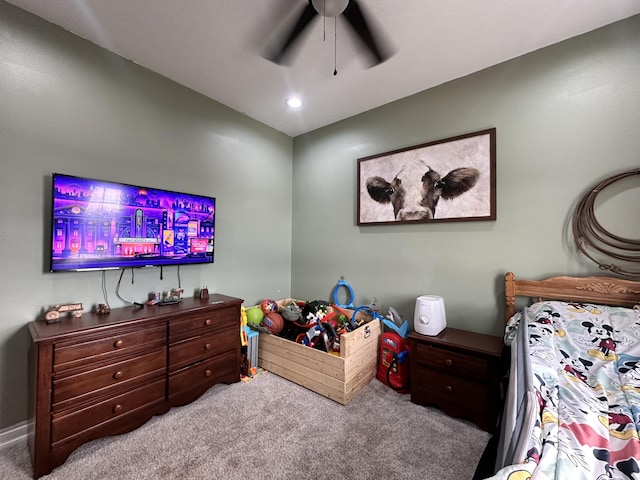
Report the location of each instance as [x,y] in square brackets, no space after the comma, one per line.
[105,347]
[208,372]
[200,348]
[451,362]
[449,391]
[196,324]
[66,424]
[107,378]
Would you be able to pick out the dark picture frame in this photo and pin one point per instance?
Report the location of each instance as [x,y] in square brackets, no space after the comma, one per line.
[449,180]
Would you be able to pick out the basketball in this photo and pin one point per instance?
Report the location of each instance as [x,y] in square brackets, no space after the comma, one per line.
[273,322]
[254,316]
[268,306]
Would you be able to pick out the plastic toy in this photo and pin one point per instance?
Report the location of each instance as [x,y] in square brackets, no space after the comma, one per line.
[393,365]
[273,322]
[291,312]
[172,296]
[312,312]
[317,336]
[244,359]
[343,283]
[267,306]
[395,323]
[54,312]
[254,316]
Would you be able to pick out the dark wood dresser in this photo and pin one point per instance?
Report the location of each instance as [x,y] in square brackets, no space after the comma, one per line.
[102,375]
[460,373]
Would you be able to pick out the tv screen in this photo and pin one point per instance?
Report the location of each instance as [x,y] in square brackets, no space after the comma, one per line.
[99,225]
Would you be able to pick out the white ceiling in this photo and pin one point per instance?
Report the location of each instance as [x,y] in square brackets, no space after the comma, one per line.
[214,46]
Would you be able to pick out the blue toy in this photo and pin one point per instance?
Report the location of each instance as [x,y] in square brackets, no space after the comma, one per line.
[391,323]
[343,283]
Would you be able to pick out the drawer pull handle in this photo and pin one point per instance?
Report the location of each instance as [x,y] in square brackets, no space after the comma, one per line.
[208,372]
[448,389]
[448,362]
[117,408]
[208,322]
[118,344]
[118,375]
[208,346]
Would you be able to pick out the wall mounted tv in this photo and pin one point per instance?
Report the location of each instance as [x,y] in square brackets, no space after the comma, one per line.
[100,225]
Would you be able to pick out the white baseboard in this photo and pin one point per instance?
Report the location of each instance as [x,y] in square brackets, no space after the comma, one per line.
[14,434]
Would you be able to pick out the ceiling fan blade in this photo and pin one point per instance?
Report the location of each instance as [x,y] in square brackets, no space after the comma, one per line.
[280,53]
[374,43]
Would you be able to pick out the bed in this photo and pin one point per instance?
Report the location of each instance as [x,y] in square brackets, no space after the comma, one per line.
[572,408]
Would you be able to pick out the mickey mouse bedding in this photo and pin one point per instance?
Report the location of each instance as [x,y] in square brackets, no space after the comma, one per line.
[573,405]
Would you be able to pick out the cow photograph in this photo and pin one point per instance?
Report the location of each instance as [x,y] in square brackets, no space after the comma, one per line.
[446,180]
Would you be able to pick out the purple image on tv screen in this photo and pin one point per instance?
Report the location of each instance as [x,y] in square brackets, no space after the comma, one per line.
[101,225]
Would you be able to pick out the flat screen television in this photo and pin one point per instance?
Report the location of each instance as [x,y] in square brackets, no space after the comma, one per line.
[100,225]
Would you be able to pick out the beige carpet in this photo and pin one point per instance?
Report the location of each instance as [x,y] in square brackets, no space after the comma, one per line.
[270,428]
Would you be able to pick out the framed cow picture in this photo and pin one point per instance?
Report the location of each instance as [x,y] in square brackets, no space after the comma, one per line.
[442,181]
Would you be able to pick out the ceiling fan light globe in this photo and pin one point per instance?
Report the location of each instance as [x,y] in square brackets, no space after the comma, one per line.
[330,8]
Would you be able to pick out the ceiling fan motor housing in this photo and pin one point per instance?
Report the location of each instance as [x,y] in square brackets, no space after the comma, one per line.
[357,22]
[329,8]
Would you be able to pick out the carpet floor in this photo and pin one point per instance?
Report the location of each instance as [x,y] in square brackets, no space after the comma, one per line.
[270,428]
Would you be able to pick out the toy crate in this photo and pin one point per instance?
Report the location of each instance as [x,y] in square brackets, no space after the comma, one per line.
[339,378]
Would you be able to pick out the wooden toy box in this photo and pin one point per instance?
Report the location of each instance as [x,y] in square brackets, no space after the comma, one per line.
[339,378]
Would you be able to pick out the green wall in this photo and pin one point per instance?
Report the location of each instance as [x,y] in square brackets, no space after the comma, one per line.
[69,106]
[566,116]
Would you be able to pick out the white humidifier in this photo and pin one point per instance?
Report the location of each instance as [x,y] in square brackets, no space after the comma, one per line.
[430,318]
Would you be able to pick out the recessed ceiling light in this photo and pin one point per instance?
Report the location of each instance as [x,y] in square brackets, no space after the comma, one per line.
[293,102]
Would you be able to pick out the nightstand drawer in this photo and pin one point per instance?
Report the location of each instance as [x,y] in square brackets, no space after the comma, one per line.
[442,389]
[453,363]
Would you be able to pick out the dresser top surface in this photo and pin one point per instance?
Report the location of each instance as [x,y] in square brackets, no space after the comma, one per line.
[465,340]
[42,331]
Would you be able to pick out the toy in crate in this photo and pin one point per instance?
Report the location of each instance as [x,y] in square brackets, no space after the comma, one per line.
[327,323]
[345,343]
[314,324]
[313,331]
[318,324]
[265,317]
[339,374]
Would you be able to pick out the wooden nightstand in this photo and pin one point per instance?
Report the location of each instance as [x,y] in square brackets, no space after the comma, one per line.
[458,372]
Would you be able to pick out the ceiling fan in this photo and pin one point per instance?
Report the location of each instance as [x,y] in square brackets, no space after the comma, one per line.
[372,40]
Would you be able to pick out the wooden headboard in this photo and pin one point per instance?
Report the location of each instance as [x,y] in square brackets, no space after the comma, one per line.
[598,290]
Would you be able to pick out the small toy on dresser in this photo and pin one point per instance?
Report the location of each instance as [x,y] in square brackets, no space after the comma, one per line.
[103,309]
[54,312]
[173,296]
[154,298]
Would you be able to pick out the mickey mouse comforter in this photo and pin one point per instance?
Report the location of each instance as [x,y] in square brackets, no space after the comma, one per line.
[574,398]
